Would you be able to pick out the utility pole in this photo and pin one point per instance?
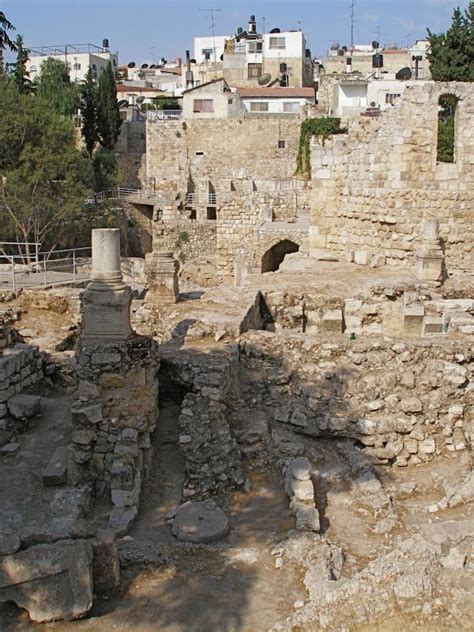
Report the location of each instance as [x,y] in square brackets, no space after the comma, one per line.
[213,29]
[352,8]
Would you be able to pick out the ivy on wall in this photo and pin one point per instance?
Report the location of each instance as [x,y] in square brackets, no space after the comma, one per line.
[323,128]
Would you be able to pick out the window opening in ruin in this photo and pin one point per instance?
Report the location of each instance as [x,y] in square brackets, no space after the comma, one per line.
[254,71]
[273,258]
[281,144]
[259,106]
[203,105]
[193,214]
[211,213]
[447,127]
[199,153]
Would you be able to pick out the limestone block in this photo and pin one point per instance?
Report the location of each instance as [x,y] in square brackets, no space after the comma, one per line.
[332,321]
[300,468]
[307,516]
[106,564]
[24,406]
[122,519]
[200,522]
[433,325]
[300,490]
[51,581]
[413,316]
[361,257]
[9,543]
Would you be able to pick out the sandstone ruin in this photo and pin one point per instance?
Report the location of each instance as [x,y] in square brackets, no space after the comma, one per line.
[273,431]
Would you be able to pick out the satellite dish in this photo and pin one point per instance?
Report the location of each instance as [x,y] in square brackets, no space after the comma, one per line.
[222,57]
[276,30]
[140,99]
[375,44]
[131,64]
[141,74]
[152,66]
[123,103]
[264,79]
[144,65]
[404,74]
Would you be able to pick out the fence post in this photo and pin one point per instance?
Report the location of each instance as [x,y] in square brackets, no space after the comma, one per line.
[45,273]
[73,265]
[13,275]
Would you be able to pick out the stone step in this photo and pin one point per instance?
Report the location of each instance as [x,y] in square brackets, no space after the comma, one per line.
[55,473]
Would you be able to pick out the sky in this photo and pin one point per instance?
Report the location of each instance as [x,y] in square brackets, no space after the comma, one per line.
[146,30]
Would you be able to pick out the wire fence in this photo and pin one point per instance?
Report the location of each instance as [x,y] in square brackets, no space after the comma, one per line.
[31,268]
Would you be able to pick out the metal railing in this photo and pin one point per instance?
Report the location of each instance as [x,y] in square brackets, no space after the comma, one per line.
[45,269]
[163,115]
[124,194]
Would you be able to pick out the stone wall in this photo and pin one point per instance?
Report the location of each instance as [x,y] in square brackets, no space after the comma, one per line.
[401,402]
[7,318]
[207,442]
[113,415]
[373,187]
[20,368]
[189,241]
[131,150]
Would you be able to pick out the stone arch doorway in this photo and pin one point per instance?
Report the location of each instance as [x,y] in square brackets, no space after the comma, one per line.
[274,256]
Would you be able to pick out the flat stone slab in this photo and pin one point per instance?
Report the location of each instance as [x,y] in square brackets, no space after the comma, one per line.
[51,581]
[55,473]
[9,543]
[300,468]
[22,406]
[200,522]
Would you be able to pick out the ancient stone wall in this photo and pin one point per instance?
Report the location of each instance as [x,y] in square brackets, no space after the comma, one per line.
[402,402]
[20,368]
[189,241]
[7,318]
[131,149]
[373,187]
[212,458]
[113,415]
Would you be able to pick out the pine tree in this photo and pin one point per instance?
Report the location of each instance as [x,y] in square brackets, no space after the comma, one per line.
[108,115]
[89,113]
[54,86]
[451,56]
[20,73]
[5,41]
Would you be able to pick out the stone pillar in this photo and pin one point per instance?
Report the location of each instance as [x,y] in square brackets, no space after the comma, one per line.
[106,300]
[429,256]
[161,271]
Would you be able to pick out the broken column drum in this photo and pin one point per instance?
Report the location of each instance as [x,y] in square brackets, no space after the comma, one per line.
[161,270]
[106,301]
[430,257]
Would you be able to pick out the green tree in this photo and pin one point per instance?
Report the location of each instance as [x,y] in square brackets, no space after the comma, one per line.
[89,113]
[108,114]
[451,54]
[5,41]
[55,87]
[105,170]
[44,179]
[20,74]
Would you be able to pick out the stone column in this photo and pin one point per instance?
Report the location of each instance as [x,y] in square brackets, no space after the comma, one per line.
[161,271]
[429,256]
[106,300]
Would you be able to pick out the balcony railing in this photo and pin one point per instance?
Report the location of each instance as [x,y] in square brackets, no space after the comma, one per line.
[124,194]
[163,115]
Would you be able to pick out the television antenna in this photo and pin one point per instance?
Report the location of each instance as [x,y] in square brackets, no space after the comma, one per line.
[212,28]
[353,21]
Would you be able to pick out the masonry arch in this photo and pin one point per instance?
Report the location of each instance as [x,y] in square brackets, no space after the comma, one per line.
[274,256]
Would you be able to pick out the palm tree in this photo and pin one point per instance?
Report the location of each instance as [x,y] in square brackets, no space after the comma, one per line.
[5,41]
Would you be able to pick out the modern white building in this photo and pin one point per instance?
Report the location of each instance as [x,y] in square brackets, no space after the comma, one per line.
[77,58]
[276,100]
[209,48]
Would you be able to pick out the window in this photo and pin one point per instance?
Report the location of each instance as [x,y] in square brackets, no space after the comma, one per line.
[33,69]
[230,101]
[207,52]
[199,153]
[254,71]
[447,128]
[291,108]
[203,105]
[391,97]
[277,42]
[255,47]
[77,66]
[281,144]
[259,106]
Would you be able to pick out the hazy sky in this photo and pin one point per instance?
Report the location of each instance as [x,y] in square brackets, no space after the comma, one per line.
[144,30]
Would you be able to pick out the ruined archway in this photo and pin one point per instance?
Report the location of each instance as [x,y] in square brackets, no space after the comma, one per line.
[274,256]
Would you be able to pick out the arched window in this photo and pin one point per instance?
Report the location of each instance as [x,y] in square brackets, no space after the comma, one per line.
[274,256]
[447,127]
